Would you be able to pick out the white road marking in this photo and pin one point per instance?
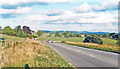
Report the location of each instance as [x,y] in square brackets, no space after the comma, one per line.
[92,55]
[69,48]
[77,51]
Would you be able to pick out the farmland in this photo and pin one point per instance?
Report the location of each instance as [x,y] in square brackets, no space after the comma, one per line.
[9,39]
[108,44]
[74,39]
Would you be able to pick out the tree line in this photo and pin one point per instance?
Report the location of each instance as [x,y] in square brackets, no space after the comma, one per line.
[26,32]
[17,31]
[70,34]
[92,38]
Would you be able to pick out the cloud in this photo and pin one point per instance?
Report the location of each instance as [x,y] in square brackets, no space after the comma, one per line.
[12,13]
[105,6]
[54,12]
[19,10]
[72,17]
[13,4]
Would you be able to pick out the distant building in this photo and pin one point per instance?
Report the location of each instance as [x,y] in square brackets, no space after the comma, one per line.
[26,30]
[83,35]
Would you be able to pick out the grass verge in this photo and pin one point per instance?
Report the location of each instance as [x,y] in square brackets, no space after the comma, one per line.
[97,47]
[33,53]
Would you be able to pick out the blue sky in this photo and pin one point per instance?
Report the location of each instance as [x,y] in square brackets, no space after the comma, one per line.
[74,15]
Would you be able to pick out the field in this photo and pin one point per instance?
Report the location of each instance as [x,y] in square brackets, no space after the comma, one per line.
[108,44]
[74,39]
[109,41]
[33,53]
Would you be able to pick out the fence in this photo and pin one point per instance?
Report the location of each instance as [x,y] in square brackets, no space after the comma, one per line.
[10,44]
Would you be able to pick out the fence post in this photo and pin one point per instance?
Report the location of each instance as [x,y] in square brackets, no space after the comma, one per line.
[13,45]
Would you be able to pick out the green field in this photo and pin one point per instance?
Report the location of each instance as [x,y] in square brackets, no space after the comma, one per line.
[9,39]
[74,39]
[109,41]
[108,44]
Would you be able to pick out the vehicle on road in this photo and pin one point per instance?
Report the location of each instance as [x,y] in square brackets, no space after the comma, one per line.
[49,41]
[53,41]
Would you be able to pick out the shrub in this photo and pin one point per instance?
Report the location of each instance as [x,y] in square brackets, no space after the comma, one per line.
[62,41]
[93,39]
[34,36]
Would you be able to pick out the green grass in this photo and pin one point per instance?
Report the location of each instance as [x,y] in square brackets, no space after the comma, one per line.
[109,41]
[77,39]
[108,44]
[9,39]
[72,39]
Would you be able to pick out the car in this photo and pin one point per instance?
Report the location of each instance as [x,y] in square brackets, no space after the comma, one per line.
[49,41]
[53,41]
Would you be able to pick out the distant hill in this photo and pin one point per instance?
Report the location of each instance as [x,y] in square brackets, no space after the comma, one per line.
[80,32]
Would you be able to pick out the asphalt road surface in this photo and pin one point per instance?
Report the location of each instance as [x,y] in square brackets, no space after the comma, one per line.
[84,57]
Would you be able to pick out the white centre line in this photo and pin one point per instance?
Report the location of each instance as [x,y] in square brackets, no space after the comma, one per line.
[77,51]
[92,55]
[69,48]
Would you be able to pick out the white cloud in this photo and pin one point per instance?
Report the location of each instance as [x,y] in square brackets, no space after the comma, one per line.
[72,17]
[19,10]
[105,6]
[55,11]
[15,2]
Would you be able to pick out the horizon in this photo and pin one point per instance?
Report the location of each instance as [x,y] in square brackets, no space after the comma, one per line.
[64,30]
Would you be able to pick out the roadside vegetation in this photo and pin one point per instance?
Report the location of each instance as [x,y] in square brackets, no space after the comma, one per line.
[27,51]
[33,53]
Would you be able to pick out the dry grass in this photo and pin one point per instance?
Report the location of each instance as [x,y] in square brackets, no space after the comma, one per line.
[33,53]
[111,47]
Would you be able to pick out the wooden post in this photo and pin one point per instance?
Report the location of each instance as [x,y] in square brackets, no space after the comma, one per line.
[13,45]
[8,44]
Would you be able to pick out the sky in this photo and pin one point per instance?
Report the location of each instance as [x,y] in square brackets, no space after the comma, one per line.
[61,15]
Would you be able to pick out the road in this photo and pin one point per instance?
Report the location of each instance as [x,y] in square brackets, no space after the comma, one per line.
[84,57]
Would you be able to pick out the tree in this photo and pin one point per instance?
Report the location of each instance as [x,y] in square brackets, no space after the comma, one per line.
[66,34]
[0,28]
[7,30]
[93,39]
[104,36]
[57,34]
[70,35]
[34,36]
[100,35]
[39,33]
[17,28]
[74,35]
[26,30]
[50,35]
[78,35]
[118,42]
[114,36]
[85,34]
[22,34]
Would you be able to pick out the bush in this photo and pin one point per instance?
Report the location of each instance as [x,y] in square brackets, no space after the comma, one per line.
[62,41]
[34,36]
[22,34]
[93,39]
[57,34]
